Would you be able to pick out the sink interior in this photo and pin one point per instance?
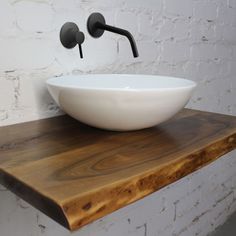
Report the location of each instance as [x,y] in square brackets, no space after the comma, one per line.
[124,81]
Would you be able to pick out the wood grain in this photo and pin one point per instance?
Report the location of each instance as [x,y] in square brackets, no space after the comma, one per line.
[76,174]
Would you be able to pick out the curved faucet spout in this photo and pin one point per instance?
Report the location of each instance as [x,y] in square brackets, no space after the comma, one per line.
[120,31]
[96,25]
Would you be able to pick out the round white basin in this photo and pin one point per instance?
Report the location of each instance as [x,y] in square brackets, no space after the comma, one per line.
[120,102]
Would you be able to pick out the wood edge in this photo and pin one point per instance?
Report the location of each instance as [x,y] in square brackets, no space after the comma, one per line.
[60,211]
[43,203]
[191,163]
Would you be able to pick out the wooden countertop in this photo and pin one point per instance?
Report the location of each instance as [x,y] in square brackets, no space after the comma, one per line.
[76,174]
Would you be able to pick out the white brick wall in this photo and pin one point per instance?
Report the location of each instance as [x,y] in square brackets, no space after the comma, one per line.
[195,39]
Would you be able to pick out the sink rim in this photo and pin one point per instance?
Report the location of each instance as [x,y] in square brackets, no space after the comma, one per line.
[54,82]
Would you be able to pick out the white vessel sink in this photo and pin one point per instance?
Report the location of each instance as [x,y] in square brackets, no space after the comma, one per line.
[120,102]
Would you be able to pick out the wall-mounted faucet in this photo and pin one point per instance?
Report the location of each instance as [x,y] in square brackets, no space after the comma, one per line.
[70,35]
[97,25]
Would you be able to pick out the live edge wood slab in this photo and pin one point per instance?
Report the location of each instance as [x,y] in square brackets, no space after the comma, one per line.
[76,174]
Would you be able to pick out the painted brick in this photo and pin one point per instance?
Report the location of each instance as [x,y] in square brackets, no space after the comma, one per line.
[7,19]
[25,53]
[174,52]
[34,16]
[205,11]
[174,7]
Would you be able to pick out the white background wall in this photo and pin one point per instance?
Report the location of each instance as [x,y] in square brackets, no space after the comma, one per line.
[195,39]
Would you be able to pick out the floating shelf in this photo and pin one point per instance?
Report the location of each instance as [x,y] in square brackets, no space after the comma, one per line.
[76,174]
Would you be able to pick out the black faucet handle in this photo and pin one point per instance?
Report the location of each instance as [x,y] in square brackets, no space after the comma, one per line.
[79,37]
[70,36]
[80,51]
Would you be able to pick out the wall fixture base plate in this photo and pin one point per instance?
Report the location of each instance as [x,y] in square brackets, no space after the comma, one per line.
[93,19]
[67,35]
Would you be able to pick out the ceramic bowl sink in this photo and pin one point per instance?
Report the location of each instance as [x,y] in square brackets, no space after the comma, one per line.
[120,102]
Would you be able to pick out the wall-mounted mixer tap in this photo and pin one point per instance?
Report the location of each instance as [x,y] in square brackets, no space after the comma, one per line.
[96,25]
[70,36]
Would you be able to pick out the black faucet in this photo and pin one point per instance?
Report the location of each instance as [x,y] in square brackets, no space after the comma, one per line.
[97,25]
[70,36]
